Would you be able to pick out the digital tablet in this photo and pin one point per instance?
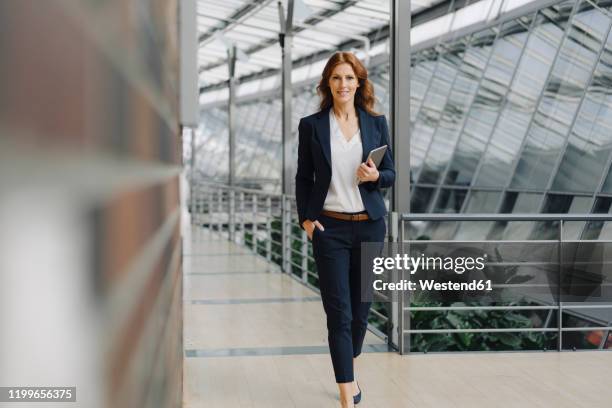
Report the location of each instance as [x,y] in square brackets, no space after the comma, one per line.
[376,155]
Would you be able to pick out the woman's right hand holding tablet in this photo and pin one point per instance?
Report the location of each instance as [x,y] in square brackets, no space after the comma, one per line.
[309,227]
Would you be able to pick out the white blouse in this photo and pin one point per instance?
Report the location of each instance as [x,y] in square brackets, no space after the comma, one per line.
[343,194]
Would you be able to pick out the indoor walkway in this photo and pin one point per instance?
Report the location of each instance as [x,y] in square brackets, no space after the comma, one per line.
[256,338]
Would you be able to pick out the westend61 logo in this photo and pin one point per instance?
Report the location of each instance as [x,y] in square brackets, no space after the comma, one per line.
[459,265]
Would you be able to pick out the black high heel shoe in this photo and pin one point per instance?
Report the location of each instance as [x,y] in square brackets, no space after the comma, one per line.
[357,398]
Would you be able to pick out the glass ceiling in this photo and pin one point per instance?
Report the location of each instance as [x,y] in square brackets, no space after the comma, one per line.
[253,26]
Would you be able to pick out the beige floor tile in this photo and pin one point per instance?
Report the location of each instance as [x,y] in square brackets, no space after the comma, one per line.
[388,380]
[244,286]
[203,264]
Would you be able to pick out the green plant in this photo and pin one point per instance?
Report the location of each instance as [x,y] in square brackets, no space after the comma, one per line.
[477,319]
[480,319]
[248,239]
[374,320]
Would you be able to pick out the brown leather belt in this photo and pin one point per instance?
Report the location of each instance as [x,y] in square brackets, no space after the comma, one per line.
[345,216]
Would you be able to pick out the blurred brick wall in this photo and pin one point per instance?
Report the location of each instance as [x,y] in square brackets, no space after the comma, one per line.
[90,156]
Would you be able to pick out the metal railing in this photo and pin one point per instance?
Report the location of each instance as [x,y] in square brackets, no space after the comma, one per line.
[564,266]
[267,224]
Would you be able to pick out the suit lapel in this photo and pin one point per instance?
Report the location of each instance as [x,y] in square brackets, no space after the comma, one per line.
[323,133]
[364,126]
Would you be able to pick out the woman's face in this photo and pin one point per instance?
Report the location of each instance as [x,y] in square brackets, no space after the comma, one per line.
[343,83]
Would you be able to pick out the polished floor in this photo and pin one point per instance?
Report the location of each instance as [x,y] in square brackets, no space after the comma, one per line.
[256,338]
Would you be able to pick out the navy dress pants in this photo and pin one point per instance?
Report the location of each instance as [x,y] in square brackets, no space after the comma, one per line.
[337,253]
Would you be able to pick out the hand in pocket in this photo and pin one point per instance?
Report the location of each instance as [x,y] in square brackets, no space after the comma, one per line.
[309,226]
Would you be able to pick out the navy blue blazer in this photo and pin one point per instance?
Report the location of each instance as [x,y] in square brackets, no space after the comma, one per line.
[314,164]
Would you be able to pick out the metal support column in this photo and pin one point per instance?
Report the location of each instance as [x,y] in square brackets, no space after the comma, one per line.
[269,230]
[285,38]
[560,290]
[400,103]
[192,166]
[231,116]
[286,234]
[189,106]
[400,139]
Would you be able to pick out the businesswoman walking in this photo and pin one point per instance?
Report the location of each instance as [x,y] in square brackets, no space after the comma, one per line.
[340,204]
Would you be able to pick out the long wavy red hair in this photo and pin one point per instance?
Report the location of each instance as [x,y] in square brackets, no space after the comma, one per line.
[364,95]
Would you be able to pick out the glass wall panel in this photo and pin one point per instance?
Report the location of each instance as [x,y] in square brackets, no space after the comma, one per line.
[420,199]
[450,200]
[574,229]
[518,203]
[528,84]
[593,230]
[430,112]
[420,75]
[564,92]
[457,105]
[213,144]
[557,203]
[588,150]
[597,229]
[483,202]
[480,202]
[600,94]
[246,140]
[562,204]
[604,229]
[487,102]
[380,77]
[271,143]
[423,67]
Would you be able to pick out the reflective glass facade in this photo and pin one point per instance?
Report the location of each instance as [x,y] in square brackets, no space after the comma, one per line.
[515,117]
